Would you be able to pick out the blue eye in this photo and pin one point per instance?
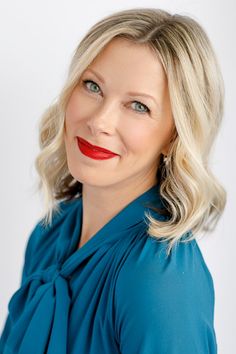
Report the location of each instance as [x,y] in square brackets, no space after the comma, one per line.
[146,109]
[86,81]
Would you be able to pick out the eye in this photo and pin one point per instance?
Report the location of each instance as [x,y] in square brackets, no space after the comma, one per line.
[90,81]
[147,110]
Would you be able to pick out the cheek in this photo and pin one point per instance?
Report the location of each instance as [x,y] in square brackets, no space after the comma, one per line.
[140,137]
[76,109]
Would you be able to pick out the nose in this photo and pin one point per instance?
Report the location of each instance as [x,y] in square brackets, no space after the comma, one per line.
[104,119]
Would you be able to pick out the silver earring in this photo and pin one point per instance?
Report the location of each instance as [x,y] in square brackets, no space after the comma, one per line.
[166,159]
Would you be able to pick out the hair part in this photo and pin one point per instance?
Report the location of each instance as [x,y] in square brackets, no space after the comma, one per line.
[193,197]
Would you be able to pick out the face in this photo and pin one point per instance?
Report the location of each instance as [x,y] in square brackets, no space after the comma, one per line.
[108,108]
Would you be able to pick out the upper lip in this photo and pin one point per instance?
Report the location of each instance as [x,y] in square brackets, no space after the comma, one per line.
[95,147]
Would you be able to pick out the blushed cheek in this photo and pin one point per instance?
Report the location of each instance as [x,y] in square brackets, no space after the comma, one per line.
[140,139]
[77,108]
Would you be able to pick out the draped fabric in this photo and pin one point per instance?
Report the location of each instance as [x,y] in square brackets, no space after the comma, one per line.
[118,293]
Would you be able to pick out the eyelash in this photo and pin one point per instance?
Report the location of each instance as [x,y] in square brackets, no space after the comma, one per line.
[147,109]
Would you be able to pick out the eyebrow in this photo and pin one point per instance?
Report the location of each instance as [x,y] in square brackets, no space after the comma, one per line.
[130,93]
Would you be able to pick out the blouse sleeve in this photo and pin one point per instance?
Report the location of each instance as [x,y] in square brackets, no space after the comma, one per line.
[29,251]
[34,242]
[25,269]
[166,305]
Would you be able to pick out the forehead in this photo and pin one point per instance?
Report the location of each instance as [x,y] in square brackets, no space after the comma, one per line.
[122,61]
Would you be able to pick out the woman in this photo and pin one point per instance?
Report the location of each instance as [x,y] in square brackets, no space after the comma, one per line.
[114,266]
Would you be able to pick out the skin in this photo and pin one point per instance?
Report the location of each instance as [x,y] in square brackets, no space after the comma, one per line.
[105,115]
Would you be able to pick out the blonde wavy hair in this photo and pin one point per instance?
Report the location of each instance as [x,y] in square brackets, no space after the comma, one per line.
[193,197]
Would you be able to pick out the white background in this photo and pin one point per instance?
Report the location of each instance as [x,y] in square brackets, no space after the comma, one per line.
[37,41]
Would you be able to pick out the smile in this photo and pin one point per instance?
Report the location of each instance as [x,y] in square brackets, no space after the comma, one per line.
[93,151]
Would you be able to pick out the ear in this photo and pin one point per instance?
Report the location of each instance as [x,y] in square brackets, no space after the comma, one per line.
[164,151]
[166,148]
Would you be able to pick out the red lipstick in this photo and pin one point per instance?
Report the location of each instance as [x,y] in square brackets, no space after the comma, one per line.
[93,151]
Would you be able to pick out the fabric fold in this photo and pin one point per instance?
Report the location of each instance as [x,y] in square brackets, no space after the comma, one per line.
[65,304]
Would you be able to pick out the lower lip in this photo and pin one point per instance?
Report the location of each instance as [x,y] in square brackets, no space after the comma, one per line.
[94,154]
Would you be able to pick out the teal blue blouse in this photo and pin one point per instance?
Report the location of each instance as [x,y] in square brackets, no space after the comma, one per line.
[118,293]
